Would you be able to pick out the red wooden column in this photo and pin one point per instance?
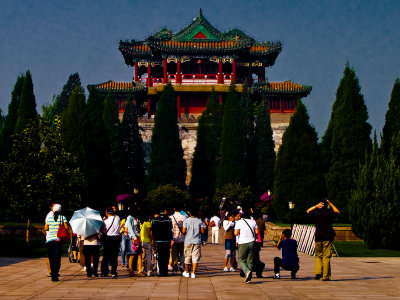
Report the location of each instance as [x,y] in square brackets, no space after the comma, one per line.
[220,75]
[178,72]
[178,104]
[148,107]
[165,79]
[136,71]
[149,81]
[220,98]
[233,71]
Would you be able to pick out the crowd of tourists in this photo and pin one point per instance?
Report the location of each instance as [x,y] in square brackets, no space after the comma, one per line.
[170,242]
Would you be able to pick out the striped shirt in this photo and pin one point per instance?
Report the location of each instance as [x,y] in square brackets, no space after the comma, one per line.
[53,227]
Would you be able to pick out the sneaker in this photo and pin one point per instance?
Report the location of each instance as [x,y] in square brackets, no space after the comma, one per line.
[293,276]
[55,279]
[318,277]
[277,276]
[226,269]
[232,270]
[114,275]
[148,273]
[193,275]
[174,273]
[84,269]
[247,279]
[185,274]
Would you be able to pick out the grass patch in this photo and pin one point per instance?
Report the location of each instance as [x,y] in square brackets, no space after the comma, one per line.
[359,249]
[19,248]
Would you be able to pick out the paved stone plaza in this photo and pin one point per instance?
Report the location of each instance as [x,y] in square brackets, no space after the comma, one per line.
[352,278]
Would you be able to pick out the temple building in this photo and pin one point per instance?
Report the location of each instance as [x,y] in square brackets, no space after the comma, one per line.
[196,60]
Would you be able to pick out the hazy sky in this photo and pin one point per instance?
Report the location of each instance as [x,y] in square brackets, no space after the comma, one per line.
[57,38]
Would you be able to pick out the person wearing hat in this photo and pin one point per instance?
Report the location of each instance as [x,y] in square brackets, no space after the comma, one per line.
[323,214]
[111,228]
[53,221]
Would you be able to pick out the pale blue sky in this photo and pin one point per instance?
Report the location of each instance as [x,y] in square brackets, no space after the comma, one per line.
[56,38]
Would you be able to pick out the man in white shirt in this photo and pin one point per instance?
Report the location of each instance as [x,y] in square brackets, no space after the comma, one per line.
[111,244]
[246,229]
[215,223]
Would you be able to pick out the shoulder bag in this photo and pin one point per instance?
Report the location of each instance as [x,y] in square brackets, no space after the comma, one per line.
[62,232]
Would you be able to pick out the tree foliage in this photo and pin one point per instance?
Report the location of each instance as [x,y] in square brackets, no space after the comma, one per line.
[392,120]
[265,149]
[11,119]
[235,192]
[166,165]
[350,139]
[27,104]
[298,173]
[38,172]
[374,206]
[131,152]
[167,197]
[61,101]
[232,167]
[206,154]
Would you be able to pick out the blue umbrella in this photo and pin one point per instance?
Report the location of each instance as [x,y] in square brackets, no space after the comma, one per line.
[86,221]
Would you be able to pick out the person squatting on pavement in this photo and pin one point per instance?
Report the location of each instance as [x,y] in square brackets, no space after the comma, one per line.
[193,229]
[246,230]
[290,259]
[323,214]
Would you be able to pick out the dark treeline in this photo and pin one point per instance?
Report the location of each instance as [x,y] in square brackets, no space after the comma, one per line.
[79,153]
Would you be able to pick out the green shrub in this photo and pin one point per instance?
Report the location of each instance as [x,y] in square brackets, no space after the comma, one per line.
[167,197]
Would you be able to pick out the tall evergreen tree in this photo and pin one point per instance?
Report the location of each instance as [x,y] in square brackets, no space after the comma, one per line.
[392,118]
[101,184]
[298,173]
[265,149]
[11,119]
[350,139]
[232,167]
[2,117]
[112,127]
[27,104]
[206,154]
[75,126]
[61,101]
[132,154]
[166,165]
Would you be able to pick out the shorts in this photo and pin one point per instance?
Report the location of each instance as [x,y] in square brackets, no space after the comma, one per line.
[230,244]
[192,253]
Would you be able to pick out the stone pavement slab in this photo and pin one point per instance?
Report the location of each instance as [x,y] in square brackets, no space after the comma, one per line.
[352,278]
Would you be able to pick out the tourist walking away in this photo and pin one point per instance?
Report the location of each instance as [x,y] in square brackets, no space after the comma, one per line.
[177,250]
[146,237]
[162,234]
[246,230]
[230,242]
[215,223]
[193,229]
[323,214]
[258,265]
[111,243]
[261,226]
[134,246]
[50,213]
[124,244]
[290,259]
[91,250]
[204,236]
[53,222]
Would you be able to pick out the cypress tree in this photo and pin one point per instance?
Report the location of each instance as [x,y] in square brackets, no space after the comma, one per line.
[249,134]
[206,154]
[265,149]
[350,139]
[298,174]
[112,128]
[11,119]
[100,179]
[61,101]
[27,104]
[131,152]
[392,118]
[232,167]
[74,126]
[166,165]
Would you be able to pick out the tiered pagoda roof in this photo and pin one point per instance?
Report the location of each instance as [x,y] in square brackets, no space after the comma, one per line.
[200,37]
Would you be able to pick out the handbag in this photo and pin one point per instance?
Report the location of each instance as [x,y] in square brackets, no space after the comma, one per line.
[62,232]
[103,235]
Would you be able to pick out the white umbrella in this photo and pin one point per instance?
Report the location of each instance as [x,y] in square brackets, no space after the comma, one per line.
[86,221]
